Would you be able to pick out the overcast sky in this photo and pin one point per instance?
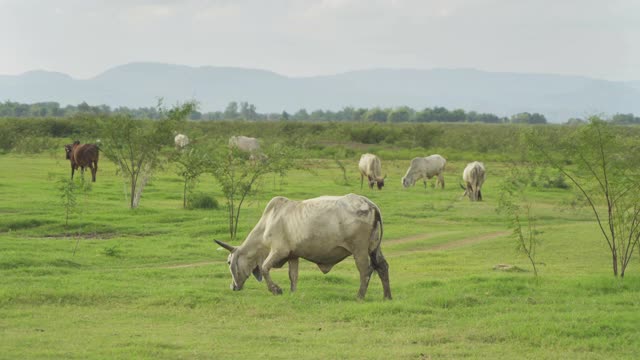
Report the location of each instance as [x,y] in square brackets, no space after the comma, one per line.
[311,37]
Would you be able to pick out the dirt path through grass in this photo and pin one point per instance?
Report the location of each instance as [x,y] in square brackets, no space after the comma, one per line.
[449,245]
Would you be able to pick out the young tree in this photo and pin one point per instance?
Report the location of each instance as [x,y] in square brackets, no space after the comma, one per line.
[401,114]
[515,206]
[376,115]
[135,146]
[238,175]
[605,171]
[69,190]
[191,163]
[231,111]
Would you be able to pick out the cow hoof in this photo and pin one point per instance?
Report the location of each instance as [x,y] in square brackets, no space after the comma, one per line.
[276,290]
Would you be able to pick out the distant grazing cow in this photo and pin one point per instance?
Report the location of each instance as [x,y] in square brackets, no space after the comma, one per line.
[425,168]
[246,144]
[81,156]
[323,230]
[473,177]
[370,167]
[181,141]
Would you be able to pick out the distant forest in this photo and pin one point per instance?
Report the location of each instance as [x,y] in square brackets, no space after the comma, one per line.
[247,111]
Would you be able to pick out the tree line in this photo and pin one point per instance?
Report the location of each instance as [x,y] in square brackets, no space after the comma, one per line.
[247,111]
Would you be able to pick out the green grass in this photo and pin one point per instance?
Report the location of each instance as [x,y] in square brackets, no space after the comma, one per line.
[125,294]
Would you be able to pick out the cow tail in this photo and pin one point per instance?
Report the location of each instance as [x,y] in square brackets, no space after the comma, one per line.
[378,261]
[378,221]
[476,178]
[377,224]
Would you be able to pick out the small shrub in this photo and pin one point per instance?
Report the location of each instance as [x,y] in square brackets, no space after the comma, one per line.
[370,135]
[34,144]
[7,138]
[558,182]
[112,251]
[550,182]
[202,201]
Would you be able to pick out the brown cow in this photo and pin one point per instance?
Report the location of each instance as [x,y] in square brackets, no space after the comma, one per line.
[81,156]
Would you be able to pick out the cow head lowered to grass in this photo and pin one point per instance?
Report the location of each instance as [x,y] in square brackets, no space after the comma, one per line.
[425,168]
[473,176]
[323,230]
[371,168]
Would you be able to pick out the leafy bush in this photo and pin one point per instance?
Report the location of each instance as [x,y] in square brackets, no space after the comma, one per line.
[369,135]
[112,251]
[7,138]
[34,144]
[546,181]
[202,201]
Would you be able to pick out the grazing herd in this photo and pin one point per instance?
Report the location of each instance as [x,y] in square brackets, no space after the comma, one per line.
[327,229]
[424,168]
[323,230]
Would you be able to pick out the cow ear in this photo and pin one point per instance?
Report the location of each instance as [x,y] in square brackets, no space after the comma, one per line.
[257,273]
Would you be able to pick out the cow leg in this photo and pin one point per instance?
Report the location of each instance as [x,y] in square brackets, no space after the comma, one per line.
[273,258]
[73,170]
[361,180]
[382,268]
[94,170]
[365,269]
[293,273]
[441,179]
[425,184]
[479,195]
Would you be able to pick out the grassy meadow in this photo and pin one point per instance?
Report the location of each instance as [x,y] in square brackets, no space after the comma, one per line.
[150,282]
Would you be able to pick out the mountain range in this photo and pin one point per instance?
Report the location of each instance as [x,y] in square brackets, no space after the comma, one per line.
[558,97]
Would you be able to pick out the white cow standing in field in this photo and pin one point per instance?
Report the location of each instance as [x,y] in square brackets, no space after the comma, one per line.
[371,167]
[246,144]
[181,141]
[324,230]
[425,168]
[473,177]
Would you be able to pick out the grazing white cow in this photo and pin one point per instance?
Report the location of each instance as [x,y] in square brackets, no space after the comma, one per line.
[425,168]
[473,177]
[245,143]
[371,168]
[323,230]
[181,141]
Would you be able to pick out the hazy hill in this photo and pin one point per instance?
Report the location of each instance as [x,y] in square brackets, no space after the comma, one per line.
[140,84]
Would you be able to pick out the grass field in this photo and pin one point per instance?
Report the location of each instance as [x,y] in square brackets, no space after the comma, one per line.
[150,282]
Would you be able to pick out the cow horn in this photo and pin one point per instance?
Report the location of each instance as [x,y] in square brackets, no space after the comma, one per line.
[225,245]
[462,187]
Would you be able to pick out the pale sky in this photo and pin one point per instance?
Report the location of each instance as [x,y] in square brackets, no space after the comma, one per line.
[83,38]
